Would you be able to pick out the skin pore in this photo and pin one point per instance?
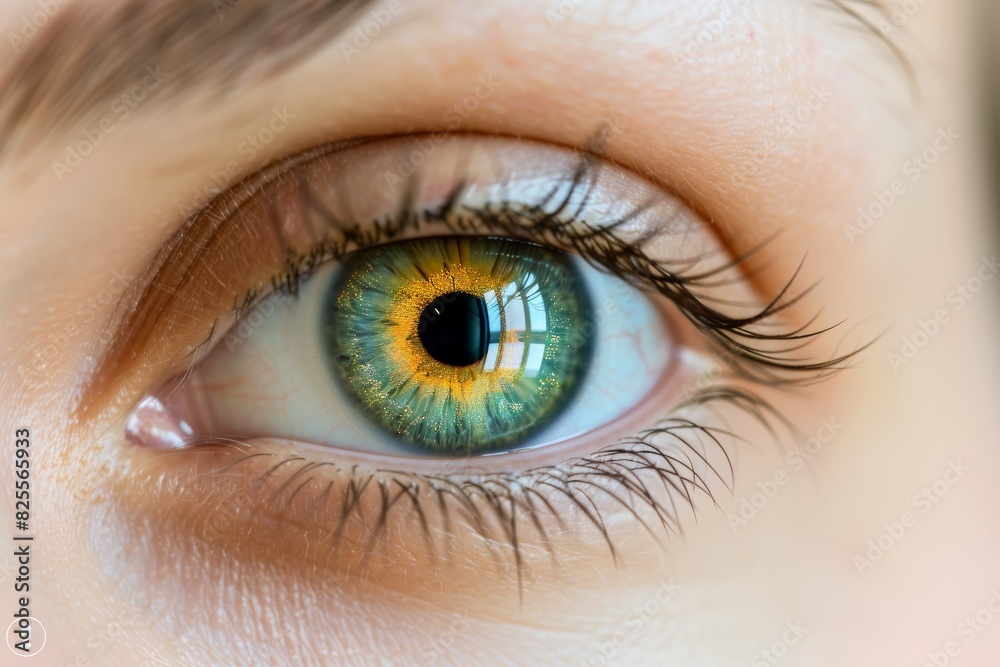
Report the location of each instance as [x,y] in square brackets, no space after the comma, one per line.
[774,121]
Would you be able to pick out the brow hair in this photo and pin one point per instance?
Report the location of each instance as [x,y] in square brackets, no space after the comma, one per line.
[88,54]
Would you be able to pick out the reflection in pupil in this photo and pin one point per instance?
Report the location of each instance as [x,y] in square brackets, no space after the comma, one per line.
[455,329]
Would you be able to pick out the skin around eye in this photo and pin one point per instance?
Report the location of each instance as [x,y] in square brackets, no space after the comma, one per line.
[765,116]
[604,353]
[638,444]
[628,461]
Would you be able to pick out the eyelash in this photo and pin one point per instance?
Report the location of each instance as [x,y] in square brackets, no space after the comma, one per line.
[618,470]
[615,471]
[739,344]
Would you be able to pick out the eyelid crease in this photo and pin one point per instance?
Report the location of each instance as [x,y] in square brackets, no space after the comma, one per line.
[242,245]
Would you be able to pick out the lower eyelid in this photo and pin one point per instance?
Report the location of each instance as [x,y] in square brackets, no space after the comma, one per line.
[341,515]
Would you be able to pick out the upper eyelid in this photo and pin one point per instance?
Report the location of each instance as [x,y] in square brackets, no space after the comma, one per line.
[154,294]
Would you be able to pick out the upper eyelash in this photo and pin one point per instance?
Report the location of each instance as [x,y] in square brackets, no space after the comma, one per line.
[757,346]
[741,340]
[614,471]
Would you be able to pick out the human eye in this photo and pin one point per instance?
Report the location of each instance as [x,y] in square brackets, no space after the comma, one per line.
[504,342]
[458,325]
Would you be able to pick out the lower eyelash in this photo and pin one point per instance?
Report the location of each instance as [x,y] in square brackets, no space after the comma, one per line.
[664,470]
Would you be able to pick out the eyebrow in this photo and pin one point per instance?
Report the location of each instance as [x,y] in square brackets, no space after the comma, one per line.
[89,54]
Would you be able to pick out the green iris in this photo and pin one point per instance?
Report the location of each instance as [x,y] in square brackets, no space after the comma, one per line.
[459,345]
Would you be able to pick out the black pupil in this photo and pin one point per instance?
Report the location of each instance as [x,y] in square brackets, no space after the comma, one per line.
[455,329]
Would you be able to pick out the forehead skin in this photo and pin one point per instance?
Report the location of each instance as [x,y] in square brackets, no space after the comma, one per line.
[687,118]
